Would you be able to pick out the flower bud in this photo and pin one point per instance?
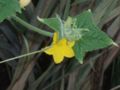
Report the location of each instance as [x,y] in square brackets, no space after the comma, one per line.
[71,31]
[24,3]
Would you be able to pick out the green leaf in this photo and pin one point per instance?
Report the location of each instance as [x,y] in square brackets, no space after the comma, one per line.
[53,23]
[93,39]
[79,53]
[8,8]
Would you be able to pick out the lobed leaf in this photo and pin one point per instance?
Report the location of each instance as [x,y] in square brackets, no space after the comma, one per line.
[53,23]
[93,39]
[8,8]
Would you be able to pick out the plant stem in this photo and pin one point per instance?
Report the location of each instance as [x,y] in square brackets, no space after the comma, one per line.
[31,27]
[21,56]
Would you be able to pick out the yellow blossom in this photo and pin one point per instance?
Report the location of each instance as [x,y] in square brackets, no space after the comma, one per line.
[24,3]
[60,49]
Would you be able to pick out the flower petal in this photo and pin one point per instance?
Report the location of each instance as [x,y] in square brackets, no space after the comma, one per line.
[55,38]
[49,51]
[71,43]
[62,42]
[58,58]
[68,52]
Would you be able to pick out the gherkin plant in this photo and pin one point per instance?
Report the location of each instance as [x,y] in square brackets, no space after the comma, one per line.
[87,44]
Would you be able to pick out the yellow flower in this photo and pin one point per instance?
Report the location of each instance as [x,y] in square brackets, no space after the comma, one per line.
[60,49]
[24,3]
